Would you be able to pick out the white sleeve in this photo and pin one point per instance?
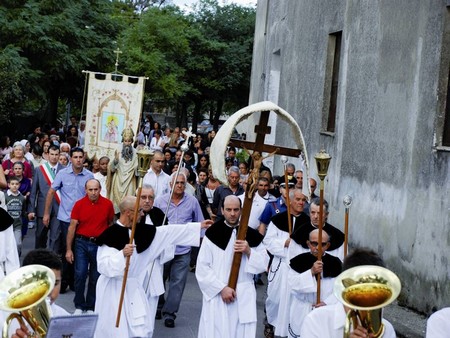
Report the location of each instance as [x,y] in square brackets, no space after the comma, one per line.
[274,241]
[12,261]
[110,261]
[209,283]
[258,260]
[303,282]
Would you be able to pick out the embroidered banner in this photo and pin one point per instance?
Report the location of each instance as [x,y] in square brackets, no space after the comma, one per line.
[114,103]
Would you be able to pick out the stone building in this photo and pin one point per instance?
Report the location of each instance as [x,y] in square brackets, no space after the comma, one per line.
[369,82]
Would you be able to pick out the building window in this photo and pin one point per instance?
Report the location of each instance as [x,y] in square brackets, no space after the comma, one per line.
[331,88]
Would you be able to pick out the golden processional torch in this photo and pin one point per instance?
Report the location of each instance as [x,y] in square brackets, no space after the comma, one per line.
[145,156]
[322,162]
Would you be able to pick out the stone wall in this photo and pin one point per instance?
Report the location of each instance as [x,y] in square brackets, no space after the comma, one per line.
[383,149]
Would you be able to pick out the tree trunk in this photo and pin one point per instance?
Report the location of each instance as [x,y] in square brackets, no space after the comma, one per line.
[197,113]
[218,114]
[52,107]
[184,109]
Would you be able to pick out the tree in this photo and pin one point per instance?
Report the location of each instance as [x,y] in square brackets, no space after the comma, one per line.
[233,26]
[13,69]
[153,47]
[58,39]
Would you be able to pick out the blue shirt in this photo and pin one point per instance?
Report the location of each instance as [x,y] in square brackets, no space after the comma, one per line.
[188,210]
[71,187]
[272,208]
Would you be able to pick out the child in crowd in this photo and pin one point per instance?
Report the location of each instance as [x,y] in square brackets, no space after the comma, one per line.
[15,205]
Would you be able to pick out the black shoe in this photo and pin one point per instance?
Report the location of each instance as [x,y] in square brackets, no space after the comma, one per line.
[169,322]
[158,314]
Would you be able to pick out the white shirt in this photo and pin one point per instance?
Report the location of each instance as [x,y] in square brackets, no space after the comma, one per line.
[102,179]
[329,321]
[258,205]
[156,144]
[159,182]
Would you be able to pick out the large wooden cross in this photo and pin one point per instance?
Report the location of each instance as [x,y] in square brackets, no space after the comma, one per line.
[261,130]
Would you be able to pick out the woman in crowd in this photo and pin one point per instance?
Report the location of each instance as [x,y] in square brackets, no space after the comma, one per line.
[243,170]
[17,155]
[37,152]
[25,183]
[5,146]
[64,159]
[211,136]
[27,150]
[203,163]
[157,143]
[72,136]
[211,185]
[45,146]
[168,159]
[202,176]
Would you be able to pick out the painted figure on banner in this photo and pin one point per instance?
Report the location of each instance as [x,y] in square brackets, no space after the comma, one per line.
[112,129]
[123,169]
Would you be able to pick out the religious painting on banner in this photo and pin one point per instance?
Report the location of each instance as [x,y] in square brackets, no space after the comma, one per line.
[114,103]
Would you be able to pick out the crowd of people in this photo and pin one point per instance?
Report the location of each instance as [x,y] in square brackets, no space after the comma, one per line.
[83,209]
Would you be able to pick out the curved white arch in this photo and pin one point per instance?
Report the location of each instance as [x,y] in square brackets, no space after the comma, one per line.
[220,142]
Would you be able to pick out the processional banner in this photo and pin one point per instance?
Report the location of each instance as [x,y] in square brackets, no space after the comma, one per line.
[114,102]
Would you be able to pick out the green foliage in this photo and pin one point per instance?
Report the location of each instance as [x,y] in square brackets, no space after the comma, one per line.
[199,58]
[58,38]
[233,26]
[12,74]
[154,46]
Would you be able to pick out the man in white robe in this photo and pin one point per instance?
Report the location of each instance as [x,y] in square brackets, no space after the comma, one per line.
[277,242]
[303,281]
[329,321]
[153,275]
[111,260]
[298,245]
[227,312]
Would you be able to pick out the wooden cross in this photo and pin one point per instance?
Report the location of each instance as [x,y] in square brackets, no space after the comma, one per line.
[261,130]
[117,52]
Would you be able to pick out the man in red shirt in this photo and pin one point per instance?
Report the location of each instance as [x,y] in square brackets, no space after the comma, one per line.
[90,216]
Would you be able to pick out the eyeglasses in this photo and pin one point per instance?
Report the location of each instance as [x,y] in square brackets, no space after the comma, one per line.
[316,244]
[147,198]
